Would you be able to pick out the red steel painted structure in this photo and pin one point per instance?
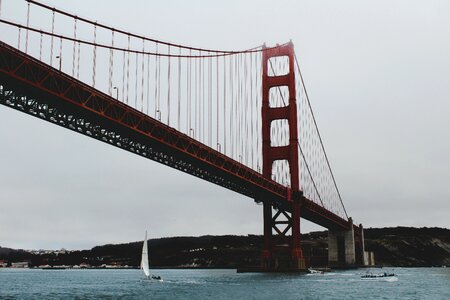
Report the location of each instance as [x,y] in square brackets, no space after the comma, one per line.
[25,76]
[288,152]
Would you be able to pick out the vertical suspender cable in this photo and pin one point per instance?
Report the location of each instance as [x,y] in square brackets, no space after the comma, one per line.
[95,56]
[245,111]
[136,81]
[232,107]
[210,102]
[237,112]
[188,119]
[28,25]
[242,107]
[148,83]
[204,99]
[128,73]
[60,53]
[203,102]
[224,104]
[51,43]
[156,82]
[245,141]
[78,58]
[40,46]
[238,106]
[111,65]
[217,104]
[18,40]
[123,75]
[188,92]
[320,138]
[111,61]
[200,97]
[142,75]
[74,46]
[168,86]
[195,98]
[179,91]
[252,154]
[258,65]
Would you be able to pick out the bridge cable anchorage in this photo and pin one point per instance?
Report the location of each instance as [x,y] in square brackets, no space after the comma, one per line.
[320,138]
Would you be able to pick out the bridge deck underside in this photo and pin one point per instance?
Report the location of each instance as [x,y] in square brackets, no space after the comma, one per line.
[42,91]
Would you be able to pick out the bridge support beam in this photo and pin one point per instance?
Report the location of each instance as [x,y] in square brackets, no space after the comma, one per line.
[359,247]
[346,247]
[282,252]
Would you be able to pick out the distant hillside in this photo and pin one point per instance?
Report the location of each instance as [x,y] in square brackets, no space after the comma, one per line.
[406,246]
[399,246]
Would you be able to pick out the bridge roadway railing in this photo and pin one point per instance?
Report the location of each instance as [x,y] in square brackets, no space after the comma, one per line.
[33,87]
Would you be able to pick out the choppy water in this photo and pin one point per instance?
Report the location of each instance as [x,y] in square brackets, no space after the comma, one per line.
[413,283]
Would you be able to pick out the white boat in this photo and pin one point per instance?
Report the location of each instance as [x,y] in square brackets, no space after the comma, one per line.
[144,261]
[315,272]
[379,277]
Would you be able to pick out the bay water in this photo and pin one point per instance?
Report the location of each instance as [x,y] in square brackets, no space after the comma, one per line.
[412,283]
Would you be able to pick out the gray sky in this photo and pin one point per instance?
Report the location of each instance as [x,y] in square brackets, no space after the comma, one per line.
[378,76]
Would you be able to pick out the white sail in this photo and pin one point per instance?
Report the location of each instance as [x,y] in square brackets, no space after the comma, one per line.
[144,261]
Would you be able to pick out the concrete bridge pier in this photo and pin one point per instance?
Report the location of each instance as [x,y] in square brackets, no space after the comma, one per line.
[345,248]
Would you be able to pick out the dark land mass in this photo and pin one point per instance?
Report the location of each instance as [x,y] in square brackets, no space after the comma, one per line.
[399,246]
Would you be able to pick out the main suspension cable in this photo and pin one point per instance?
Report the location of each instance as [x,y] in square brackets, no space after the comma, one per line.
[136,35]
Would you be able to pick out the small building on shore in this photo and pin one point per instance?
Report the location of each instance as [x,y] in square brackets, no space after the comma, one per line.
[22,264]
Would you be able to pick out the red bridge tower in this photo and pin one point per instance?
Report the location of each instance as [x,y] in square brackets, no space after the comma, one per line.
[281,252]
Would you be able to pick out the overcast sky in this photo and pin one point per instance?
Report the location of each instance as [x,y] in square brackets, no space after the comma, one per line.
[378,76]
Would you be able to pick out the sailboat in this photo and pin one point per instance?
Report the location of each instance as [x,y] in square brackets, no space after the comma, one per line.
[144,261]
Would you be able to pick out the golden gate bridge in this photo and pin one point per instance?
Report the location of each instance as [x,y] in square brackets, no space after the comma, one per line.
[239,119]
